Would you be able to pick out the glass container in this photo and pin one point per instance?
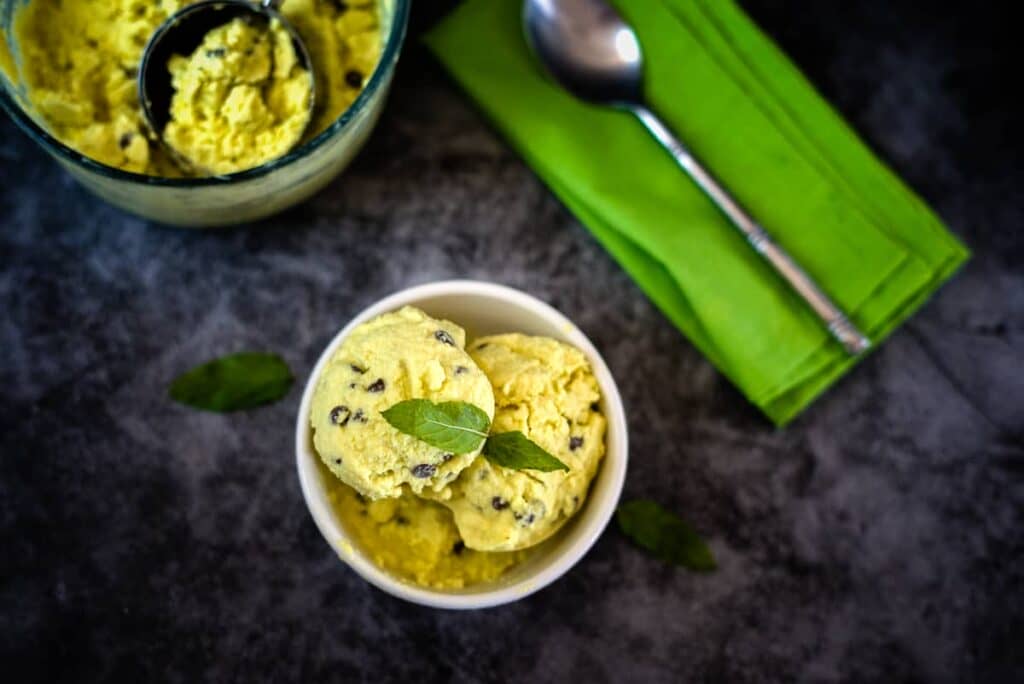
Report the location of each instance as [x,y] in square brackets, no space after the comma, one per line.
[221,200]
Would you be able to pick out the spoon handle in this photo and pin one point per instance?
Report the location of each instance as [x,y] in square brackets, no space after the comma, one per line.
[835,320]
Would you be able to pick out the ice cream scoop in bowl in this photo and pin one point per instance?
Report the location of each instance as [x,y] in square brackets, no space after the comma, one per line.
[482,309]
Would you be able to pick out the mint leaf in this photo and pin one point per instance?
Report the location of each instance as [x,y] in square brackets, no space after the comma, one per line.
[664,534]
[454,426]
[233,382]
[513,450]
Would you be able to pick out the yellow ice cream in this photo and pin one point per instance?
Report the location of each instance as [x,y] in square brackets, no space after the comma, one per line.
[546,390]
[240,99]
[79,61]
[396,356]
[416,540]
[462,520]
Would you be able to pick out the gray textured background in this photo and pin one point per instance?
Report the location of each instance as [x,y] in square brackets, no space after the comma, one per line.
[877,539]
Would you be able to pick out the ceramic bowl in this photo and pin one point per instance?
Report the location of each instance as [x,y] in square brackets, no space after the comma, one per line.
[482,309]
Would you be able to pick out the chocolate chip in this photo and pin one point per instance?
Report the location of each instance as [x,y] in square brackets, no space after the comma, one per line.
[402,520]
[443,337]
[459,370]
[357,369]
[575,443]
[524,519]
[352,385]
[359,416]
[125,140]
[216,53]
[338,461]
[458,547]
[340,415]
[595,407]
[447,457]
[424,470]
[377,386]
[354,78]
[499,504]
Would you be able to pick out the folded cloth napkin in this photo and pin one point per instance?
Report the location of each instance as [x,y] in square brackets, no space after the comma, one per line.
[760,127]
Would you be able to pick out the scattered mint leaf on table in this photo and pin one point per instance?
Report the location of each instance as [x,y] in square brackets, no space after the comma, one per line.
[454,426]
[513,450]
[664,534]
[234,382]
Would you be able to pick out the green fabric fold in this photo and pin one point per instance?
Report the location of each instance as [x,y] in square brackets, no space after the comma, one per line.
[761,128]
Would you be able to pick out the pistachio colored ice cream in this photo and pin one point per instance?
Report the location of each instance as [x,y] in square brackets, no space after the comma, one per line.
[241,99]
[416,540]
[397,356]
[546,390]
[78,62]
[436,519]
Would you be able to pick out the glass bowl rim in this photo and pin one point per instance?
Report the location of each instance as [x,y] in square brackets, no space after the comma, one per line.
[388,57]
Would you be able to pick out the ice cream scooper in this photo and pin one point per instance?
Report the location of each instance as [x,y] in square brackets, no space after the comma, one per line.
[181,34]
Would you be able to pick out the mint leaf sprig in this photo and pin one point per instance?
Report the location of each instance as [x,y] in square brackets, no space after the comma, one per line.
[233,382]
[664,534]
[513,450]
[454,426]
[459,428]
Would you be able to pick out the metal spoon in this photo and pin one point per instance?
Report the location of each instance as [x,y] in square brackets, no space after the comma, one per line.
[181,34]
[594,54]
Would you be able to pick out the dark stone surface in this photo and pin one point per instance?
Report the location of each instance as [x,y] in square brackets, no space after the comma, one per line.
[877,539]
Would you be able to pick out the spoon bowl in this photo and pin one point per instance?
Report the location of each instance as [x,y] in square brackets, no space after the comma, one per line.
[588,48]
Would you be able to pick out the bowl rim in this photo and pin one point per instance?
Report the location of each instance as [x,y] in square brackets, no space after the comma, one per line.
[617,443]
[377,80]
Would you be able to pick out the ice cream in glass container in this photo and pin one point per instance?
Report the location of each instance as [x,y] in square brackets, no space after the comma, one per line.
[68,73]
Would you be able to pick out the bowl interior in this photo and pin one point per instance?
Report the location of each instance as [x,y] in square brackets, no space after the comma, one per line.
[482,309]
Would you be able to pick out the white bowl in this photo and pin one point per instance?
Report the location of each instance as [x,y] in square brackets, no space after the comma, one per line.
[482,309]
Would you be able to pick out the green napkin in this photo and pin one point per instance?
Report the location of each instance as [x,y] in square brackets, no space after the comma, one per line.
[760,127]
